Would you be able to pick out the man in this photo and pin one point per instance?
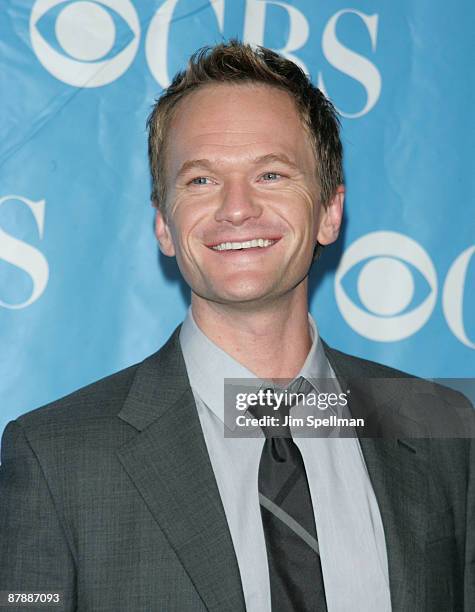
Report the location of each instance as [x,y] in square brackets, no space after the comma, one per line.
[127,495]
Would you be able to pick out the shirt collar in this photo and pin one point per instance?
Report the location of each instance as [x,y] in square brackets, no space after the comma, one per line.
[208,365]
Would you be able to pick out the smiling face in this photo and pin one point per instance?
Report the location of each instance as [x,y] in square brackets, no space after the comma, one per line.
[243,212]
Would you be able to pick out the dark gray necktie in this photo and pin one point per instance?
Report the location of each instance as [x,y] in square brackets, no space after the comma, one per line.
[295,568]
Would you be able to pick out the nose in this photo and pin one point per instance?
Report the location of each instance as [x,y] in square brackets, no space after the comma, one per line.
[237,205]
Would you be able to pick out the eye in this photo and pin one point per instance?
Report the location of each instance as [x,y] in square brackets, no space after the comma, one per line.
[84,43]
[200,180]
[270,176]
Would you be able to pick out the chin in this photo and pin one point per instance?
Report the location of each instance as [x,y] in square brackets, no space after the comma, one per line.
[242,294]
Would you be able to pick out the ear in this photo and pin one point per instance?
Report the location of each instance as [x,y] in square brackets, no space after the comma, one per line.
[163,234]
[332,216]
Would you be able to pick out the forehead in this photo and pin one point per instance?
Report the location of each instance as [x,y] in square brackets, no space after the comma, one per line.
[232,121]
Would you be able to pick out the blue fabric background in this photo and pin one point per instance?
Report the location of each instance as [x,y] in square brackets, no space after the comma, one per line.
[83,289]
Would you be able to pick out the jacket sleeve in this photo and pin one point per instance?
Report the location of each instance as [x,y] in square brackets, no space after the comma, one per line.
[34,552]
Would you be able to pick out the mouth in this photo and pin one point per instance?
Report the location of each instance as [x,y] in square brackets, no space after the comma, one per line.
[246,245]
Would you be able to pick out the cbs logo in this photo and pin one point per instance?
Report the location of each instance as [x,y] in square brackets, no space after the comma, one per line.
[105,49]
[385,288]
[91,43]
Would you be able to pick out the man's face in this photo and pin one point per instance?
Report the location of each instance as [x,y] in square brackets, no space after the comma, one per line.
[242,195]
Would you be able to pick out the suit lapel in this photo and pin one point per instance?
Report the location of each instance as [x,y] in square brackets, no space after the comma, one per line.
[398,474]
[169,464]
[400,486]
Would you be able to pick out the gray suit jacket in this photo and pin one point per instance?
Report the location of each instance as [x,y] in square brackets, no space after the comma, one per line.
[109,496]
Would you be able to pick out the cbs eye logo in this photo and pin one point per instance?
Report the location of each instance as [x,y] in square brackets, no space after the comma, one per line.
[107,44]
[386,287]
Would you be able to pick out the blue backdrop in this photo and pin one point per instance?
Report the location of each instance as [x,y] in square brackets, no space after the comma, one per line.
[83,290]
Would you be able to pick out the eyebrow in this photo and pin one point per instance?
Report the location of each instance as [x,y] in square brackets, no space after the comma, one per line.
[192,164]
[275,157]
[258,161]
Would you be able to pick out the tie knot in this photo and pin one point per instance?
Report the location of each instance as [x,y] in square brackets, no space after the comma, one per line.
[272,413]
[274,404]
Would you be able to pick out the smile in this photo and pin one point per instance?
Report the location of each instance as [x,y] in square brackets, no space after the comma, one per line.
[248,244]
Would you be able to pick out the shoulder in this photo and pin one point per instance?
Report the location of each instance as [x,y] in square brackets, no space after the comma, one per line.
[82,423]
[76,438]
[425,406]
[102,401]
[77,434]
[352,366]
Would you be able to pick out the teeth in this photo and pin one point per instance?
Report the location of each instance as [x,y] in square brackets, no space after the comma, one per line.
[234,246]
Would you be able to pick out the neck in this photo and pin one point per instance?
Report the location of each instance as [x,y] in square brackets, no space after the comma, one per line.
[272,340]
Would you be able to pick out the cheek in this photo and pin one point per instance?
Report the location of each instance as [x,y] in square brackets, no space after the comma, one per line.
[299,195]
[299,206]
[185,231]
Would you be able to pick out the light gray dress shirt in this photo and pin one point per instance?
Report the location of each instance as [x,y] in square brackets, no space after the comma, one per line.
[347,517]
